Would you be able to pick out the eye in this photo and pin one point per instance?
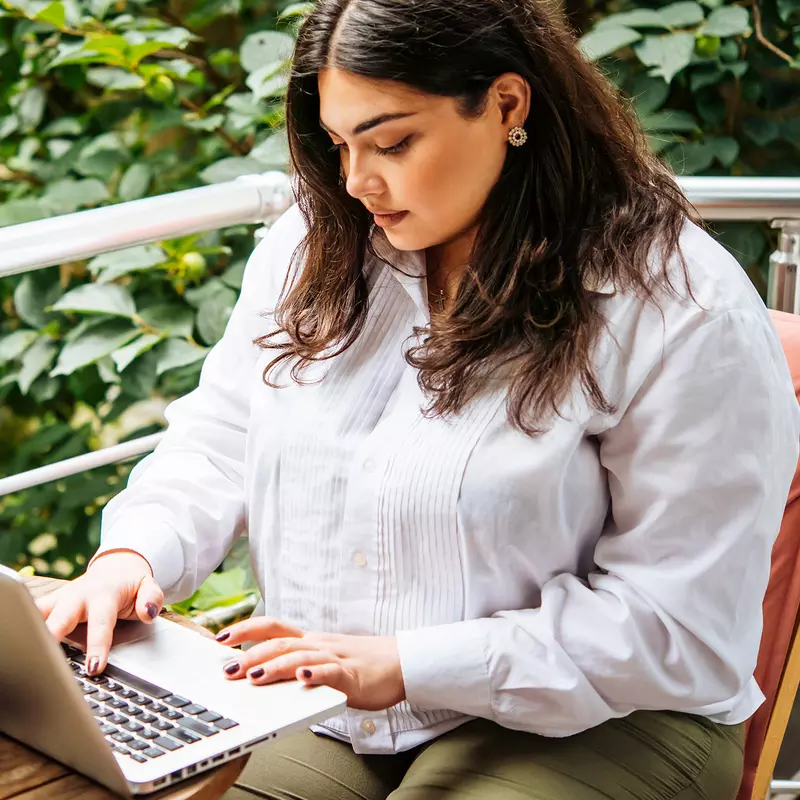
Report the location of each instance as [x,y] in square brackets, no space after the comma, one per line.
[394,149]
[335,147]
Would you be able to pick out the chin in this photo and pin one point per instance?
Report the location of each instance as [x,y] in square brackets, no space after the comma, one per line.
[408,240]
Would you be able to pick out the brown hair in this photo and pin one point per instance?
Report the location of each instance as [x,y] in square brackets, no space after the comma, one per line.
[584,201]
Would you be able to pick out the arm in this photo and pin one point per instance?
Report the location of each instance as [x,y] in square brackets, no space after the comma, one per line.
[184,504]
[699,468]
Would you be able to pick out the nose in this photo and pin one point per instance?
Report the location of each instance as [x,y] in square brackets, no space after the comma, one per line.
[362,179]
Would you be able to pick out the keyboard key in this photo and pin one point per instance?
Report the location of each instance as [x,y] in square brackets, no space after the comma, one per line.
[185,736]
[126,693]
[122,737]
[107,729]
[193,709]
[100,680]
[116,719]
[167,743]
[101,697]
[163,725]
[133,725]
[209,716]
[153,752]
[137,757]
[150,734]
[140,685]
[157,708]
[88,689]
[121,750]
[172,714]
[141,700]
[102,711]
[134,711]
[176,701]
[225,724]
[115,703]
[94,706]
[112,687]
[148,718]
[138,744]
[197,727]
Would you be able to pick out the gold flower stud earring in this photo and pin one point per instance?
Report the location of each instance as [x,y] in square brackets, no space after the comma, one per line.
[517,136]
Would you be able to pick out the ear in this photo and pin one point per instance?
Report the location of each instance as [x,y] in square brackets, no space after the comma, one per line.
[512,94]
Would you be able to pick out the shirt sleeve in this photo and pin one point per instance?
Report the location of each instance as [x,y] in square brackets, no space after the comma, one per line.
[699,467]
[184,504]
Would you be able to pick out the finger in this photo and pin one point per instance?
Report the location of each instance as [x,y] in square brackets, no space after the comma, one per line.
[47,603]
[66,615]
[263,652]
[285,668]
[149,600]
[100,631]
[332,674]
[257,629]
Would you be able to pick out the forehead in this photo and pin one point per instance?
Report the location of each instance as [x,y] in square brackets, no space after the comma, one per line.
[345,100]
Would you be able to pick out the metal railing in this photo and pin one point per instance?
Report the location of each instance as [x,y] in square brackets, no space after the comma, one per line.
[260,198]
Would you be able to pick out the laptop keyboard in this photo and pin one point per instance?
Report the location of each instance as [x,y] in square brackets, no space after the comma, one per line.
[138,718]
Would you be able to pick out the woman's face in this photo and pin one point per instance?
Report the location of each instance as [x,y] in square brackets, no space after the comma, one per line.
[411,158]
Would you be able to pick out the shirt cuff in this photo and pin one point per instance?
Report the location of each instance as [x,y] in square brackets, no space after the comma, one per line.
[446,667]
[158,543]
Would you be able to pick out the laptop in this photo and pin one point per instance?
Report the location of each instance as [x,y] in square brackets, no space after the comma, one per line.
[159,713]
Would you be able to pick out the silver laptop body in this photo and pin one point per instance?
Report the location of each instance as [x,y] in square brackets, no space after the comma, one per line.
[48,703]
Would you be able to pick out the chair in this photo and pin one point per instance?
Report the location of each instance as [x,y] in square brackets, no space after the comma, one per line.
[778,668]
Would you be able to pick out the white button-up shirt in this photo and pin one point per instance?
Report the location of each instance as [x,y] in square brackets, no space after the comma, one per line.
[616,562]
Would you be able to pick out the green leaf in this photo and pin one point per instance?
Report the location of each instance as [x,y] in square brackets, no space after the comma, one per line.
[603,41]
[114,79]
[110,266]
[682,15]
[265,47]
[638,18]
[744,240]
[68,195]
[32,296]
[177,353]
[648,94]
[213,315]
[37,359]
[94,298]
[296,10]
[135,182]
[689,158]
[29,107]
[230,168]
[671,121]
[100,341]
[234,275]
[54,15]
[273,152]
[725,149]
[127,354]
[169,319]
[727,21]
[269,81]
[15,344]
[761,130]
[790,131]
[16,212]
[666,55]
[219,589]
[787,9]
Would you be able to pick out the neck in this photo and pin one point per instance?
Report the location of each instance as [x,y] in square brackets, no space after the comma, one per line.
[446,262]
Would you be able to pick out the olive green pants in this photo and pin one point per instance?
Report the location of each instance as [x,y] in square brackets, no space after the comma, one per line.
[649,755]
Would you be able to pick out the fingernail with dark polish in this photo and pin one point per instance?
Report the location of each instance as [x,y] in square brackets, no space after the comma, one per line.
[152,610]
[94,664]
[232,668]
[306,673]
[257,673]
[221,637]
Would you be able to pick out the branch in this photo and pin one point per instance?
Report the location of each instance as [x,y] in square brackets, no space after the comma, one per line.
[235,146]
[763,39]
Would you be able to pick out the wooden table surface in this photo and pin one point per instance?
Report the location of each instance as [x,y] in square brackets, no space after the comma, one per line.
[26,774]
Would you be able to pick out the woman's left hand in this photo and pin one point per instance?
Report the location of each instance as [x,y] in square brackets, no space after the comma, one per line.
[366,668]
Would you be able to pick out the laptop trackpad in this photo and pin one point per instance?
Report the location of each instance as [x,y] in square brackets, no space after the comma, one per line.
[125,632]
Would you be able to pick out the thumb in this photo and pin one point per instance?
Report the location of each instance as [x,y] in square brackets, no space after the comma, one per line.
[149,600]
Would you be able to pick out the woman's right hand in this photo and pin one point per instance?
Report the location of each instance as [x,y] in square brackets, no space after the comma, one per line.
[118,585]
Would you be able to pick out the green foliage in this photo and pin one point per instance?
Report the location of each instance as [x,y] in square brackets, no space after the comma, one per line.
[716,85]
[104,101]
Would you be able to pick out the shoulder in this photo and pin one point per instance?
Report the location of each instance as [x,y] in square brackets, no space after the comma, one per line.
[275,257]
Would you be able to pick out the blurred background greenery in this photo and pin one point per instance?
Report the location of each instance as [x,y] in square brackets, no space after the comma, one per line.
[103,101]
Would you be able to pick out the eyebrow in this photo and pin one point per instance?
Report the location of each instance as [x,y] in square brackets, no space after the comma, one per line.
[371,123]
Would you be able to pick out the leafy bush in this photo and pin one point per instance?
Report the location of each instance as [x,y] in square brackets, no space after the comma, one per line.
[103,101]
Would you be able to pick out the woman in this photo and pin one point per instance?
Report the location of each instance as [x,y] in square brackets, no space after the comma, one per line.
[511,444]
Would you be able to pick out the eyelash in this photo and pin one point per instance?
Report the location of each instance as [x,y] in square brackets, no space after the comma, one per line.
[382,151]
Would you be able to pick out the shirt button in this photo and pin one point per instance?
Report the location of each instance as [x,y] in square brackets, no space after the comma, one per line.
[369,465]
[368,726]
[360,560]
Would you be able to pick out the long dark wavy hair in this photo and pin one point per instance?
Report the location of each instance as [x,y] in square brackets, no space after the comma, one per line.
[582,202]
